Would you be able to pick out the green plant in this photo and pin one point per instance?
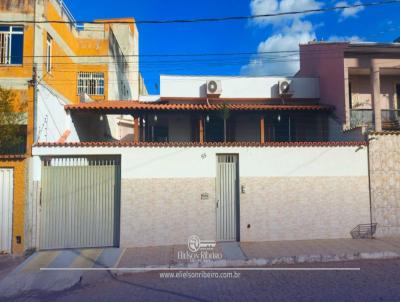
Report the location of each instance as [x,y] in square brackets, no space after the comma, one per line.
[12,117]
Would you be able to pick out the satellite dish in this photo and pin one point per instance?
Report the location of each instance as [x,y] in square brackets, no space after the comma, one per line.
[212,86]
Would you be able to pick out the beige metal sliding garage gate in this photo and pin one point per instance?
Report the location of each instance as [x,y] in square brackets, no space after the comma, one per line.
[80,202]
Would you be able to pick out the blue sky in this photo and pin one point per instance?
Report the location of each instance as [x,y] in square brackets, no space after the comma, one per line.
[273,34]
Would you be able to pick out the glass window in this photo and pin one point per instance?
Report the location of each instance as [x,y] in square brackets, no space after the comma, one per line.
[11,45]
[18,29]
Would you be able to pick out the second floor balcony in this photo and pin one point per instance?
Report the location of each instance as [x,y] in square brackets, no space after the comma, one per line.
[12,143]
[365,118]
[391,119]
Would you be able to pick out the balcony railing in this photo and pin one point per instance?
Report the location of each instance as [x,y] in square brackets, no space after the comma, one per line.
[66,12]
[17,148]
[365,118]
[13,139]
[362,118]
[390,119]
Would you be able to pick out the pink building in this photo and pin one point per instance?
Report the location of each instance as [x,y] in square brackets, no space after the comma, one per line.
[361,80]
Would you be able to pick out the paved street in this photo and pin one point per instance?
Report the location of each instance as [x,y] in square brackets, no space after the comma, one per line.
[8,263]
[378,280]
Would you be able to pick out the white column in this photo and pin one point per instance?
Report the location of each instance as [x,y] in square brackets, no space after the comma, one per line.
[346,122]
[376,93]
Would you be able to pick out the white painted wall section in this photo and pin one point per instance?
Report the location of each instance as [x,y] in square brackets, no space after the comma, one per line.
[237,87]
[319,192]
[181,162]
[52,119]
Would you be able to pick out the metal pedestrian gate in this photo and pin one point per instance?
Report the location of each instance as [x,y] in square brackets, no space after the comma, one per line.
[80,202]
[6,209]
[227,192]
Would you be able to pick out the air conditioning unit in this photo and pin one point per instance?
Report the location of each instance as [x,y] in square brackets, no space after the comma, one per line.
[285,88]
[214,87]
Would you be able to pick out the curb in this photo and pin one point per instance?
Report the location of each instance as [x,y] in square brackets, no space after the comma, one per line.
[257,262]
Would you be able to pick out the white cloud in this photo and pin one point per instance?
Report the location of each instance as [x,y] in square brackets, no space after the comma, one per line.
[263,7]
[289,32]
[349,12]
[285,63]
[344,39]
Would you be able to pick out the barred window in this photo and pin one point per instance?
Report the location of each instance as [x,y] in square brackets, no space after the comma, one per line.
[11,45]
[91,83]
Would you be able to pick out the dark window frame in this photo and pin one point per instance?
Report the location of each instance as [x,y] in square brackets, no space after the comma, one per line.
[9,35]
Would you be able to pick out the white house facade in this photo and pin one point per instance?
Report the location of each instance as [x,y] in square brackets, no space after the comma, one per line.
[243,161]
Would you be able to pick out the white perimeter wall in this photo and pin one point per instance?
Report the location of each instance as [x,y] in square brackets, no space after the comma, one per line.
[194,162]
[292,193]
[237,87]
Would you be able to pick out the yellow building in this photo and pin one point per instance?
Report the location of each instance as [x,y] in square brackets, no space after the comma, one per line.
[49,65]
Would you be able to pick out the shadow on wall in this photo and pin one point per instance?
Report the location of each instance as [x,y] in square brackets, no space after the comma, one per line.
[361,92]
[203,90]
[92,127]
[336,132]
[124,90]
[127,138]
[275,90]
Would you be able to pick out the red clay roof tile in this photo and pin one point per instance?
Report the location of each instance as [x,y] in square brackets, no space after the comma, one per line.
[135,105]
[196,144]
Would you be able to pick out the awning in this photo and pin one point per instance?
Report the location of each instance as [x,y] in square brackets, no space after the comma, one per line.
[126,106]
[125,144]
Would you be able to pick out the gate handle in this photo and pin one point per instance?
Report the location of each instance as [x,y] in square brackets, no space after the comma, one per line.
[217,203]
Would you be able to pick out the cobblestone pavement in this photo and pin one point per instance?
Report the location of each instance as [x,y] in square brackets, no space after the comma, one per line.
[378,280]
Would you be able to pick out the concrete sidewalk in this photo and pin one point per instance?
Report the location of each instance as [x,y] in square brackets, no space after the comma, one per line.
[322,250]
[266,253]
[28,276]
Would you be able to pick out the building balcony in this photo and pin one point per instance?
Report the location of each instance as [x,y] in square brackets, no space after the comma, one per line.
[365,118]
[15,149]
[391,119]
[13,143]
[362,118]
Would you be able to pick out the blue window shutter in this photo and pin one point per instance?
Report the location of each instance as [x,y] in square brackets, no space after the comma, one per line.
[17,49]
